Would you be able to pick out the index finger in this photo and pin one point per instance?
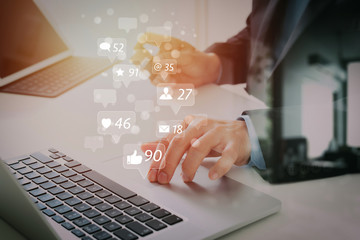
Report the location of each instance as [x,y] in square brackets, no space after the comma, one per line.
[177,148]
[156,165]
[157,151]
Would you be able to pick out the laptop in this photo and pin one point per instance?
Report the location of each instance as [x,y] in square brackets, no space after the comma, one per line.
[50,195]
[34,59]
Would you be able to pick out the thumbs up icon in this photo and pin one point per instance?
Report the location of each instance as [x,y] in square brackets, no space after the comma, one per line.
[134,159]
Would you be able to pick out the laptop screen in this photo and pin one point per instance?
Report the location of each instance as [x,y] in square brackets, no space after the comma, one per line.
[27,37]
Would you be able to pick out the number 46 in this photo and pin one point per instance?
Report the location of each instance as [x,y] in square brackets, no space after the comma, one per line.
[126,124]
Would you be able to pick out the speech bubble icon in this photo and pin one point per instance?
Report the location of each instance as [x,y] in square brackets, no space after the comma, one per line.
[166,127]
[164,66]
[115,123]
[153,50]
[105,96]
[112,48]
[127,23]
[175,95]
[126,73]
[134,157]
[163,75]
[105,46]
[158,35]
[93,142]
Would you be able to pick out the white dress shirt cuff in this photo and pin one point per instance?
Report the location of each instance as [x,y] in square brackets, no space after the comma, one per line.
[256,156]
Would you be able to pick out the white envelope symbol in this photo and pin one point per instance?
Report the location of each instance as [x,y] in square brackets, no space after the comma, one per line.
[164,128]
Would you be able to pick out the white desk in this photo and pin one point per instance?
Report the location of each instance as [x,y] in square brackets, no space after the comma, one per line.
[321,209]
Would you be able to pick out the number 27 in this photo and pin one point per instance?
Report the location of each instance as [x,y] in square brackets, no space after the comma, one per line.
[181,97]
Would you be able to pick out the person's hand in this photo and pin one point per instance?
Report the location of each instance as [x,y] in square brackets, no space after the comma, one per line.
[193,66]
[202,138]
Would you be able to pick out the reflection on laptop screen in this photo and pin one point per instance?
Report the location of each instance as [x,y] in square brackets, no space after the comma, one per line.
[27,37]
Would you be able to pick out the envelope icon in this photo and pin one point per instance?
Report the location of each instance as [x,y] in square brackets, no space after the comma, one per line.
[164,128]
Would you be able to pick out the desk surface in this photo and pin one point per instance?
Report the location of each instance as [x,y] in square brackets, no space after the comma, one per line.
[320,209]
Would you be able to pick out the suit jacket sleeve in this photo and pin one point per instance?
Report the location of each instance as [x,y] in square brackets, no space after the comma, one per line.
[233,54]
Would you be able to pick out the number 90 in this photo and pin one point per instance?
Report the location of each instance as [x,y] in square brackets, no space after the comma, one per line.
[156,156]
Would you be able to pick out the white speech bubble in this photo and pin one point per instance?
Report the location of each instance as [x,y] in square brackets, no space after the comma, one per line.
[153,50]
[164,67]
[135,158]
[126,73]
[93,142]
[113,48]
[175,95]
[164,35]
[176,127]
[127,23]
[105,46]
[105,96]
[166,127]
[115,123]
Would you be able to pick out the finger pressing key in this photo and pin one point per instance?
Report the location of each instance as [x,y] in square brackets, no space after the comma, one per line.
[177,148]
[199,149]
[224,164]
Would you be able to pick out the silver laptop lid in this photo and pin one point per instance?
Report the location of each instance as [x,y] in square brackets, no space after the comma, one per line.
[29,41]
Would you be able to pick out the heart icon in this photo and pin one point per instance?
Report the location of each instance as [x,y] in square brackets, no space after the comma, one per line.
[106,122]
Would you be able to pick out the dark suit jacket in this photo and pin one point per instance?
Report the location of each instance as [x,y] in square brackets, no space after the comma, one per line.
[239,53]
[240,56]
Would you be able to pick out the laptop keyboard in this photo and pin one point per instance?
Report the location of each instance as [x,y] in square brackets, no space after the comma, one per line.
[58,78]
[87,203]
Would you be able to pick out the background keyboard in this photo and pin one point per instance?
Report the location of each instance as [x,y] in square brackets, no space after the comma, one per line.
[58,78]
[85,202]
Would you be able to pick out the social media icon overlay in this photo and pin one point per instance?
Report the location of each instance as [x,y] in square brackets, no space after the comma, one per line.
[163,34]
[127,73]
[166,95]
[105,122]
[127,23]
[164,65]
[166,127]
[113,48]
[105,96]
[175,95]
[115,123]
[94,142]
[136,157]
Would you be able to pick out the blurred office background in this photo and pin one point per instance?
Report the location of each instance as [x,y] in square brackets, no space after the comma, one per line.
[200,22]
[310,79]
